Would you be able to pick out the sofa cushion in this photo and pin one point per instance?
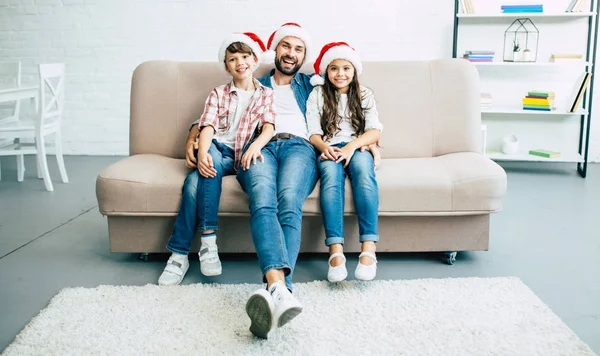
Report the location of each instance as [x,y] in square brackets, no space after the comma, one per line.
[453,184]
[456,184]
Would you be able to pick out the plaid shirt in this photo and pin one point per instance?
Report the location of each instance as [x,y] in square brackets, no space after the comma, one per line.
[219,112]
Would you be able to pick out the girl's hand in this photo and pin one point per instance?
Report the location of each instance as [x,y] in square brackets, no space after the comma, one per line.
[205,165]
[331,153]
[252,153]
[346,154]
[375,152]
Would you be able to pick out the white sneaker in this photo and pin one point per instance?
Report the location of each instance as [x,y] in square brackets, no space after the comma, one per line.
[287,307]
[259,308]
[366,272]
[210,265]
[174,271]
[337,273]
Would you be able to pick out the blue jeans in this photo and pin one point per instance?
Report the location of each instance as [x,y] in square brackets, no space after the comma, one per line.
[277,189]
[200,200]
[361,172]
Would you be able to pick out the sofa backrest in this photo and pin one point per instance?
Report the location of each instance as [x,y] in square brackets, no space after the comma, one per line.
[428,108]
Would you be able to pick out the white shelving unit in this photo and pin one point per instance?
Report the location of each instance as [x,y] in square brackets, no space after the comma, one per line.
[530,14]
[506,110]
[533,64]
[508,117]
[523,156]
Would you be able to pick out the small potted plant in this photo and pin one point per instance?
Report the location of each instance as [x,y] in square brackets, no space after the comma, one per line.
[517,54]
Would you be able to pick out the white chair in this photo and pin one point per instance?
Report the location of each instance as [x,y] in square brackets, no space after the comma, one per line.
[10,77]
[47,121]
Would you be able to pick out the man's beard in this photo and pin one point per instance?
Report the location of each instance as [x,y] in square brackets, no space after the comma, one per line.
[292,71]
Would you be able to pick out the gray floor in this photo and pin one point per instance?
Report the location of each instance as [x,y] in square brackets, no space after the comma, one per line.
[548,235]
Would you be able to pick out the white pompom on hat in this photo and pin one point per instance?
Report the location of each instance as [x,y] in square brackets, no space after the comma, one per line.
[331,52]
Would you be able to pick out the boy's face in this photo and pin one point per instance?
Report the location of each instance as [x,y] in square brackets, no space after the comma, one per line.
[289,56]
[240,64]
[340,73]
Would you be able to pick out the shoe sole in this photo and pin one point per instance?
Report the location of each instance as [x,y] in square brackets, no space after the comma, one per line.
[259,312]
[363,278]
[211,272]
[334,280]
[288,315]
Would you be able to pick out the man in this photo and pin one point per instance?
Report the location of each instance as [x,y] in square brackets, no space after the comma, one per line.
[278,186]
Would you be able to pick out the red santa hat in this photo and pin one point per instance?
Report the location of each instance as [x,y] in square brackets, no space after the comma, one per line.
[290,29]
[331,52]
[248,38]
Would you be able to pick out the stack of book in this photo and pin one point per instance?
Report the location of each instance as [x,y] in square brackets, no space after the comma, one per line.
[522,8]
[539,100]
[479,56]
[565,57]
[577,6]
[486,101]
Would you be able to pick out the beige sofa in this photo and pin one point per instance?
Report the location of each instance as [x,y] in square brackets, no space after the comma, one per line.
[436,190]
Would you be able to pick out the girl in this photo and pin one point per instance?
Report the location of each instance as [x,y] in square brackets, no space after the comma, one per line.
[342,117]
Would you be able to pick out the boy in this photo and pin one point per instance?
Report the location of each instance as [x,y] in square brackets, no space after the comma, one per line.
[232,114]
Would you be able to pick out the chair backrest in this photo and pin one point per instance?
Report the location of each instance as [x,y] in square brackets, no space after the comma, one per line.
[10,75]
[51,92]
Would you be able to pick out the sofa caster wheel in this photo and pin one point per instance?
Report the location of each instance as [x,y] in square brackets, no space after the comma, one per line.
[450,257]
[144,256]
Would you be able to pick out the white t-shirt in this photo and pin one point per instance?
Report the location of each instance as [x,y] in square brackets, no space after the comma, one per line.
[289,117]
[314,110]
[244,98]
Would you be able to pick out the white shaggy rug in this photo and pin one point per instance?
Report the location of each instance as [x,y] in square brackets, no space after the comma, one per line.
[465,316]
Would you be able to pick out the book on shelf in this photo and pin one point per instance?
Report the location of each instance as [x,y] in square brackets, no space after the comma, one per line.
[578,97]
[486,101]
[565,57]
[544,153]
[577,6]
[467,6]
[521,8]
[479,56]
[542,94]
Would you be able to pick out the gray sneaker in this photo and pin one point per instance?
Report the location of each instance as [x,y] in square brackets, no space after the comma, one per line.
[259,308]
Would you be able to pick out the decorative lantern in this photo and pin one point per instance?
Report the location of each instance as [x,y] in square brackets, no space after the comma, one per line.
[521,40]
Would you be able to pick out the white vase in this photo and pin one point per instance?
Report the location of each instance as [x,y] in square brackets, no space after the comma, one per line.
[517,56]
[510,145]
[527,56]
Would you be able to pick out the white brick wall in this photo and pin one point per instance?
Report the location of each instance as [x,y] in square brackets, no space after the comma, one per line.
[102,41]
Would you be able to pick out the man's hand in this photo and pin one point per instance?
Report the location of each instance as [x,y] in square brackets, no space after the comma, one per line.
[190,147]
[346,154]
[330,153]
[205,165]
[250,156]
[375,152]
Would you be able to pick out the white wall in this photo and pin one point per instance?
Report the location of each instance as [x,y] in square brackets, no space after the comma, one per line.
[102,41]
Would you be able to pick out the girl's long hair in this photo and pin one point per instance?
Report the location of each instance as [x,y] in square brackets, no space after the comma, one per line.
[330,119]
